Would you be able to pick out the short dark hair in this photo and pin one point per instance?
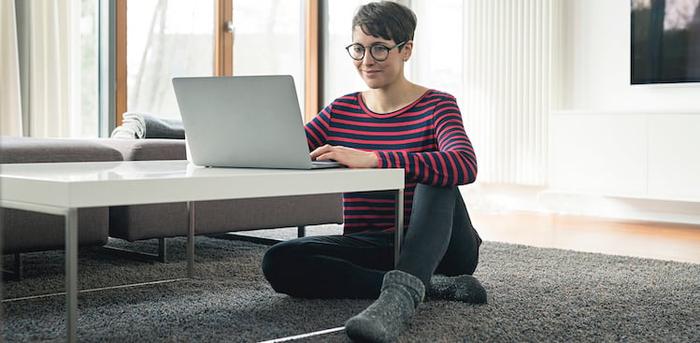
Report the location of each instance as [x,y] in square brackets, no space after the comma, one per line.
[387,20]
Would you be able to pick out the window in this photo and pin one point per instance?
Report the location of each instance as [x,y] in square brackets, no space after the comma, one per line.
[166,39]
[169,38]
[85,116]
[269,39]
[339,74]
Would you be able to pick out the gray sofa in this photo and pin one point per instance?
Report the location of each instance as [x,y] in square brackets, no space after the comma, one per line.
[27,231]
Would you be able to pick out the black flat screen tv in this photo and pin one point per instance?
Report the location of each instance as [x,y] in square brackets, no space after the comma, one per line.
[665,41]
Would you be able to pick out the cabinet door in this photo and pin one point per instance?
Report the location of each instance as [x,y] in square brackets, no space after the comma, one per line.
[674,157]
[599,154]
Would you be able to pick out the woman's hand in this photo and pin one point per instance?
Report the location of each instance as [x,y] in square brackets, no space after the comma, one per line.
[353,158]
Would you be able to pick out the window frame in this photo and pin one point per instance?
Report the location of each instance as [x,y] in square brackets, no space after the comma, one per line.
[120,57]
[223,53]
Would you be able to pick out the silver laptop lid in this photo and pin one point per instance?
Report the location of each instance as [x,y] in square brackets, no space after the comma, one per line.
[243,121]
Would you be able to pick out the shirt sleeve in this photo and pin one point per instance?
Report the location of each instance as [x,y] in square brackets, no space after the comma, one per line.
[454,162]
[317,128]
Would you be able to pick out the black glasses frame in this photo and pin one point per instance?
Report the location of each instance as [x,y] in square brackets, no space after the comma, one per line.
[371,49]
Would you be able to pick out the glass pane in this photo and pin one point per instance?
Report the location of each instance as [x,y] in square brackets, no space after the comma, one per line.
[165,39]
[269,39]
[340,76]
[85,116]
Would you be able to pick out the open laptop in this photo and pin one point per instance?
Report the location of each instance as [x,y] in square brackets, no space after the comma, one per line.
[244,122]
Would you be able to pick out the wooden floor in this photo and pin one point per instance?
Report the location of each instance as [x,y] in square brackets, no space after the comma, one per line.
[641,239]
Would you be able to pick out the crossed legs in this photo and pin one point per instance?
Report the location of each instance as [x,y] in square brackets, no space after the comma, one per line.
[440,239]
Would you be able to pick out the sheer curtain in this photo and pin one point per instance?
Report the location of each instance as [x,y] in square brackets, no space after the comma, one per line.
[40,83]
[49,49]
[10,99]
[507,87]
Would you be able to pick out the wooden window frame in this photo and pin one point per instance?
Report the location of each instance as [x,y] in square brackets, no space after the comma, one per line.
[223,38]
[223,53]
[120,67]
[311,61]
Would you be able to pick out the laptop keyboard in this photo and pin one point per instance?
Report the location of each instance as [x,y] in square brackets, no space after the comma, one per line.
[325,164]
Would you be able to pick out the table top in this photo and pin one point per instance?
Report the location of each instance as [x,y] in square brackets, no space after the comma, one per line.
[96,184]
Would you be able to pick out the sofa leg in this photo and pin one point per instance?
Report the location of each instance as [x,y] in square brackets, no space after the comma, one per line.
[161,256]
[162,250]
[235,237]
[15,273]
[17,266]
[301,232]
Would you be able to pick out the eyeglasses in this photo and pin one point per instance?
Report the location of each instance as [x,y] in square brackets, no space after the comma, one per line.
[379,52]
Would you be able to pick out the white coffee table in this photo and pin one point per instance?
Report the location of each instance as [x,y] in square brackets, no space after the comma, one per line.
[63,188]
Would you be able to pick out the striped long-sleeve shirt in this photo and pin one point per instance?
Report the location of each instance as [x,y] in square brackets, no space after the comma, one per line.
[426,138]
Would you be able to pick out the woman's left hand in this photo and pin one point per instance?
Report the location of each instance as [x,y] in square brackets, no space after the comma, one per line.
[353,158]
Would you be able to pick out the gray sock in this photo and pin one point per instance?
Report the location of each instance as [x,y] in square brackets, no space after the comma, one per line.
[384,320]
[465,288]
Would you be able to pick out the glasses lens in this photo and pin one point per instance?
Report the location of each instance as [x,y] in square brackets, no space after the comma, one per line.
[379,52]
[356,51]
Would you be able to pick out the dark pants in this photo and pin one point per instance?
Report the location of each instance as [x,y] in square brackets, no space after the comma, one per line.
[440,239]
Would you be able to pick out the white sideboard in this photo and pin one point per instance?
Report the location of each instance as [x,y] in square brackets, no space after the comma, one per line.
[647,155]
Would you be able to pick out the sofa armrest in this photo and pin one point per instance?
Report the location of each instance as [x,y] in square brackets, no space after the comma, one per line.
[40,150]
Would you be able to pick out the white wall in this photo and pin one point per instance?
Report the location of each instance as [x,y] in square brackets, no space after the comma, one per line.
[611,143]
[597,68]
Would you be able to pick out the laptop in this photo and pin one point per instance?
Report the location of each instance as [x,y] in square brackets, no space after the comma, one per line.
[244,122]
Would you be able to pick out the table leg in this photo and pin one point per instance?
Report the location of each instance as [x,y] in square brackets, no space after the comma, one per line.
[190,239]
[398,224]
[72,273]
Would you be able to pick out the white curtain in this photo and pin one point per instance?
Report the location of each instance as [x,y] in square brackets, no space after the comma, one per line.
[37,49]
[49,67]
[10,98]
[507,87]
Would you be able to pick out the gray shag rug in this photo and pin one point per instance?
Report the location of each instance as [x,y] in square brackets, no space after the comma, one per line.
[534,294]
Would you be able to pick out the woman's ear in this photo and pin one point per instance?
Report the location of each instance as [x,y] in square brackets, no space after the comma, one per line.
[406,50]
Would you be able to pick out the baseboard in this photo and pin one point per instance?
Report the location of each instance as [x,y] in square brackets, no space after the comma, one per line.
[503,198]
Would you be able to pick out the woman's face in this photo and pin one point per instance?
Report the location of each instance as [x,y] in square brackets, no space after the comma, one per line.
[380,74]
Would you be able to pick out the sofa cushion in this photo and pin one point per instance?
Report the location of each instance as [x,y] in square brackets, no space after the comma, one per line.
[168,220]
[38,150]
[147,149]
[25,231]
[267,213]
[148,221]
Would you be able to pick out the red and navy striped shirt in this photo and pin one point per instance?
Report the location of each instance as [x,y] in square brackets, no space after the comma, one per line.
[426,138]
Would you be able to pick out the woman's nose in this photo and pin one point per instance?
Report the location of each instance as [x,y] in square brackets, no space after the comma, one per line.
[368,59]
